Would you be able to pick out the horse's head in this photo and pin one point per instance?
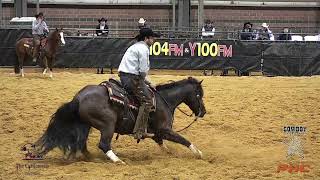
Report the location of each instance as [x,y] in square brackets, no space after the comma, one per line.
[195,96]
[57,37]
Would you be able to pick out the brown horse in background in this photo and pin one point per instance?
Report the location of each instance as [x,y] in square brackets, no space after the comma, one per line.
[48,50]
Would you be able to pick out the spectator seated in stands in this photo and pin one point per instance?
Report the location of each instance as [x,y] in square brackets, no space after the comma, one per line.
[142,23]
[285,36]
[247,32]
[102,28]
[208,29]
[265,33]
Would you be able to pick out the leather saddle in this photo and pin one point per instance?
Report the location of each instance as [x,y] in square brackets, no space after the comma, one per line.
[118,95]
[43,43]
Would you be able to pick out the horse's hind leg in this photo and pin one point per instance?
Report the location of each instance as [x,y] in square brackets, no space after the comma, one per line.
[105,144]
[50,64]
[170,135]
[96,109]
[21,59]
[106,125]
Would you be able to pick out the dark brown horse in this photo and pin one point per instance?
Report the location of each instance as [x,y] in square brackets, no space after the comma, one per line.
[48,52]
[69,126]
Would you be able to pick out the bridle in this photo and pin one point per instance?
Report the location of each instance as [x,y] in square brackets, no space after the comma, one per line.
[196,117]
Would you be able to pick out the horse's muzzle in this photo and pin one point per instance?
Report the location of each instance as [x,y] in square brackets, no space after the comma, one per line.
[202,113]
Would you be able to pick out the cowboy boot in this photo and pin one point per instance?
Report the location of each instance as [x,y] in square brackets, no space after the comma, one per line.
[141,125]
[36,51]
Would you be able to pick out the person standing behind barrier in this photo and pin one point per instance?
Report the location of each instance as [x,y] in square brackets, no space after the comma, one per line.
[142,23]
[285,36]
[247,32]
[133,70]
[208,29]
[265,33]
[39,30]
[102,28]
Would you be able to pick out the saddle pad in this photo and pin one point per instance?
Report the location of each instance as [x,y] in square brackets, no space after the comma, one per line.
[118,94]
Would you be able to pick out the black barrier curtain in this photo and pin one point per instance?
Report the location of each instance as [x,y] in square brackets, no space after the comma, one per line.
[291,58]
[88,52]
[273,58]
[8,39]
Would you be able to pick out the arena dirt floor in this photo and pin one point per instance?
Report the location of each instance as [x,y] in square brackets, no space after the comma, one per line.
[241,136]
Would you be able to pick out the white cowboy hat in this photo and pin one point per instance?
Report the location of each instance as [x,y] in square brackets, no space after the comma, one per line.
[264,25]
[141,21]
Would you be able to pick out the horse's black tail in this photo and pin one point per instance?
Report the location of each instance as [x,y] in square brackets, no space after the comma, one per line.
[65,131]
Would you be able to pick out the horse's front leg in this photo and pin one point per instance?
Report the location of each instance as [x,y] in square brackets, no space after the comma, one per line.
[170,135]
[45,65]
[159,141]
[50,64]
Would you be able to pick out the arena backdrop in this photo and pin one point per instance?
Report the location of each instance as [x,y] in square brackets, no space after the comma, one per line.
[273,58]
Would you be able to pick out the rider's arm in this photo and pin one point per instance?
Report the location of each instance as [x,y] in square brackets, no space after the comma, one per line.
[35,25]
[143,62]
[44,24]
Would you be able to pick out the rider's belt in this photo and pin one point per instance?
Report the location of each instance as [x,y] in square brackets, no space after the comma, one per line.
[129,75]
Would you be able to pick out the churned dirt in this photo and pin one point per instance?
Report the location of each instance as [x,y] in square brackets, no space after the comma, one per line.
[241,136]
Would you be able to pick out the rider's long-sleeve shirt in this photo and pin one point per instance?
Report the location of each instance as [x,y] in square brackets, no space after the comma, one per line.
[136,59]
[39,27]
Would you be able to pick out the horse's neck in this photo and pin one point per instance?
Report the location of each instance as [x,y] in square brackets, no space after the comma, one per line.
[174,97]
[52,44]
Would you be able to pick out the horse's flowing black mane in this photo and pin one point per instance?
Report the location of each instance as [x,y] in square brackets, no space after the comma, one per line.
[190,80]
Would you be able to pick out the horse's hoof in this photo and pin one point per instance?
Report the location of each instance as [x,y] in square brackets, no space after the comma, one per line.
[120,162]
[196,151]
[165,149]
[199,155]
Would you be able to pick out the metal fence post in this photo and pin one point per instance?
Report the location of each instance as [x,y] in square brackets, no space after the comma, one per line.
[1,13]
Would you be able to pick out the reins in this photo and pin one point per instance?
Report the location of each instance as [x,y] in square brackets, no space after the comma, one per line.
[196,118]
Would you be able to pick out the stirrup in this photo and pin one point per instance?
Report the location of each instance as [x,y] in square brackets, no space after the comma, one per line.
[142,135]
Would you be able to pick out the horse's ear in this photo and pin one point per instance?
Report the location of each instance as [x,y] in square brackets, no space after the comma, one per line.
[61,29]
[57,29]
[200,81]
[189,78]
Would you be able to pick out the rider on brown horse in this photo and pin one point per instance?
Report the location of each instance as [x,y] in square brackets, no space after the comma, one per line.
[39,31]
[133,69]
